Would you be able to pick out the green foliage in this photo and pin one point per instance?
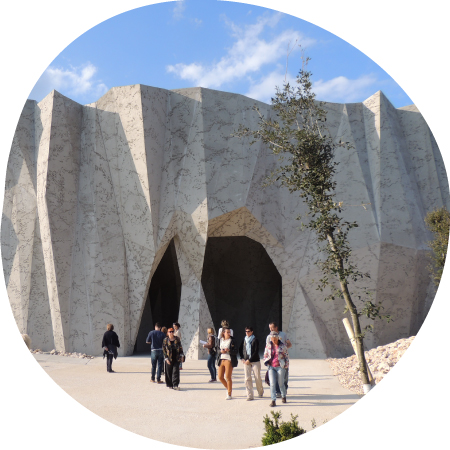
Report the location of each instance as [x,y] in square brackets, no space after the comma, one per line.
[277,431]
[298,135]
[306,150]
[438,222]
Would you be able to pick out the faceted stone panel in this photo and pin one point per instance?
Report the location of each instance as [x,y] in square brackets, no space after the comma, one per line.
[95,195]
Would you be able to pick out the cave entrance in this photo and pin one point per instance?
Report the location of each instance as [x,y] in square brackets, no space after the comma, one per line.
[163,299]
[242,285]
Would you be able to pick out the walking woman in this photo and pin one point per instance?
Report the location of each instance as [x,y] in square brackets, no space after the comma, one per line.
[277,359]
[173,353]
[110,344]
[177,333]
[164,330]
[211,346]
[227,360]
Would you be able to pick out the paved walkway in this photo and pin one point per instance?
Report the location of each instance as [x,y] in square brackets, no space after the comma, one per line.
[198,415]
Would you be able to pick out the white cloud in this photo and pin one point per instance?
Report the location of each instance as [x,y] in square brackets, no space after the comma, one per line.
[75,81]
[178,10]
[264,90]
[248,54]
[342,89]
[339,89]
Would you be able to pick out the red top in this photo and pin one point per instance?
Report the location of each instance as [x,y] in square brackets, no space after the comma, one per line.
[275,362]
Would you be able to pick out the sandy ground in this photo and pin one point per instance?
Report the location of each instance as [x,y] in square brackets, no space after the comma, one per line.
[199,411]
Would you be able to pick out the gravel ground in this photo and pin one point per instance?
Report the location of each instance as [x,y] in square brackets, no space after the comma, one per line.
[380,359]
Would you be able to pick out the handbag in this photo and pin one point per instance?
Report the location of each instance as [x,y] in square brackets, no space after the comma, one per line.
[266,378]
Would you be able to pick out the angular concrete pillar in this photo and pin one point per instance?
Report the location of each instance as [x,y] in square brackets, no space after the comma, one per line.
[58,133]
[194,316]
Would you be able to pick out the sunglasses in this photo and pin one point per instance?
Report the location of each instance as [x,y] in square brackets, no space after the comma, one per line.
[170,331]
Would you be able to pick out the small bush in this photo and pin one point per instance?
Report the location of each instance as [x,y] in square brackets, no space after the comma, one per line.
[438,222]
[277,431]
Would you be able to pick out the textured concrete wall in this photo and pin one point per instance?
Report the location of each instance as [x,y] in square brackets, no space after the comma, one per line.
[95,194]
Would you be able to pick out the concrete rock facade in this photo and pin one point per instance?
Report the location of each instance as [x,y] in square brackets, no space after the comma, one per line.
[95,194]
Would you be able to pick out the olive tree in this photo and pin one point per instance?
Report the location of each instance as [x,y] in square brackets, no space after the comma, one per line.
[298,135]
[438,222]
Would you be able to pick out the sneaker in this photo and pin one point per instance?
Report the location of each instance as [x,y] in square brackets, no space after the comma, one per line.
[261,395]
[272,403]
[228,397]
[160,382]
[153,381]
[278,395]
[210,381]
[176,388]
[283,400]
[250,398]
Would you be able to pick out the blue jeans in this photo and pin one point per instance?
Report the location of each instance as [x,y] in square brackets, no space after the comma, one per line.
[285,382]
[157,357]
[212,366]
[277,374]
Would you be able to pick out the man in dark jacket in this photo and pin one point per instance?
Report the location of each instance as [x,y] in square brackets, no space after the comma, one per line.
[249,353]
[155,338]
[110,344]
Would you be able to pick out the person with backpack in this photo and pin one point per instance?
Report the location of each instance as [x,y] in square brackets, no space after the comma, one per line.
[211,346]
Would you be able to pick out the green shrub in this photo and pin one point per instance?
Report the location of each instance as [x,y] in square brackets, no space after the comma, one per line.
[277,431]
[438,222]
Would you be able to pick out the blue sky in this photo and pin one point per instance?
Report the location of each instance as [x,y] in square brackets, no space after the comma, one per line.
[218,45]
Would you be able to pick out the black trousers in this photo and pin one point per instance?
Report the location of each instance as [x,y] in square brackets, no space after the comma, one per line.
[109,360]
[172,374]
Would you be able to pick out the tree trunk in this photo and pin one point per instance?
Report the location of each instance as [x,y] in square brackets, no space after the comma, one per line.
[353,312]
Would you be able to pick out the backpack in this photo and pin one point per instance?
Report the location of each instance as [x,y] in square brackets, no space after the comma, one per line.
[216,348]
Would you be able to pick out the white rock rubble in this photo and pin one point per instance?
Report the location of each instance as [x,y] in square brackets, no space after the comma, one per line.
[55,352]
[380,360]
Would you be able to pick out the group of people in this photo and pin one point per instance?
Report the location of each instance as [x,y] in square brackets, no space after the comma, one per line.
[166,348]
[223,351]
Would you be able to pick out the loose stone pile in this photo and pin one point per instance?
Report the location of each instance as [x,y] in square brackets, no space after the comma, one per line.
[55,352]
[380,360]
